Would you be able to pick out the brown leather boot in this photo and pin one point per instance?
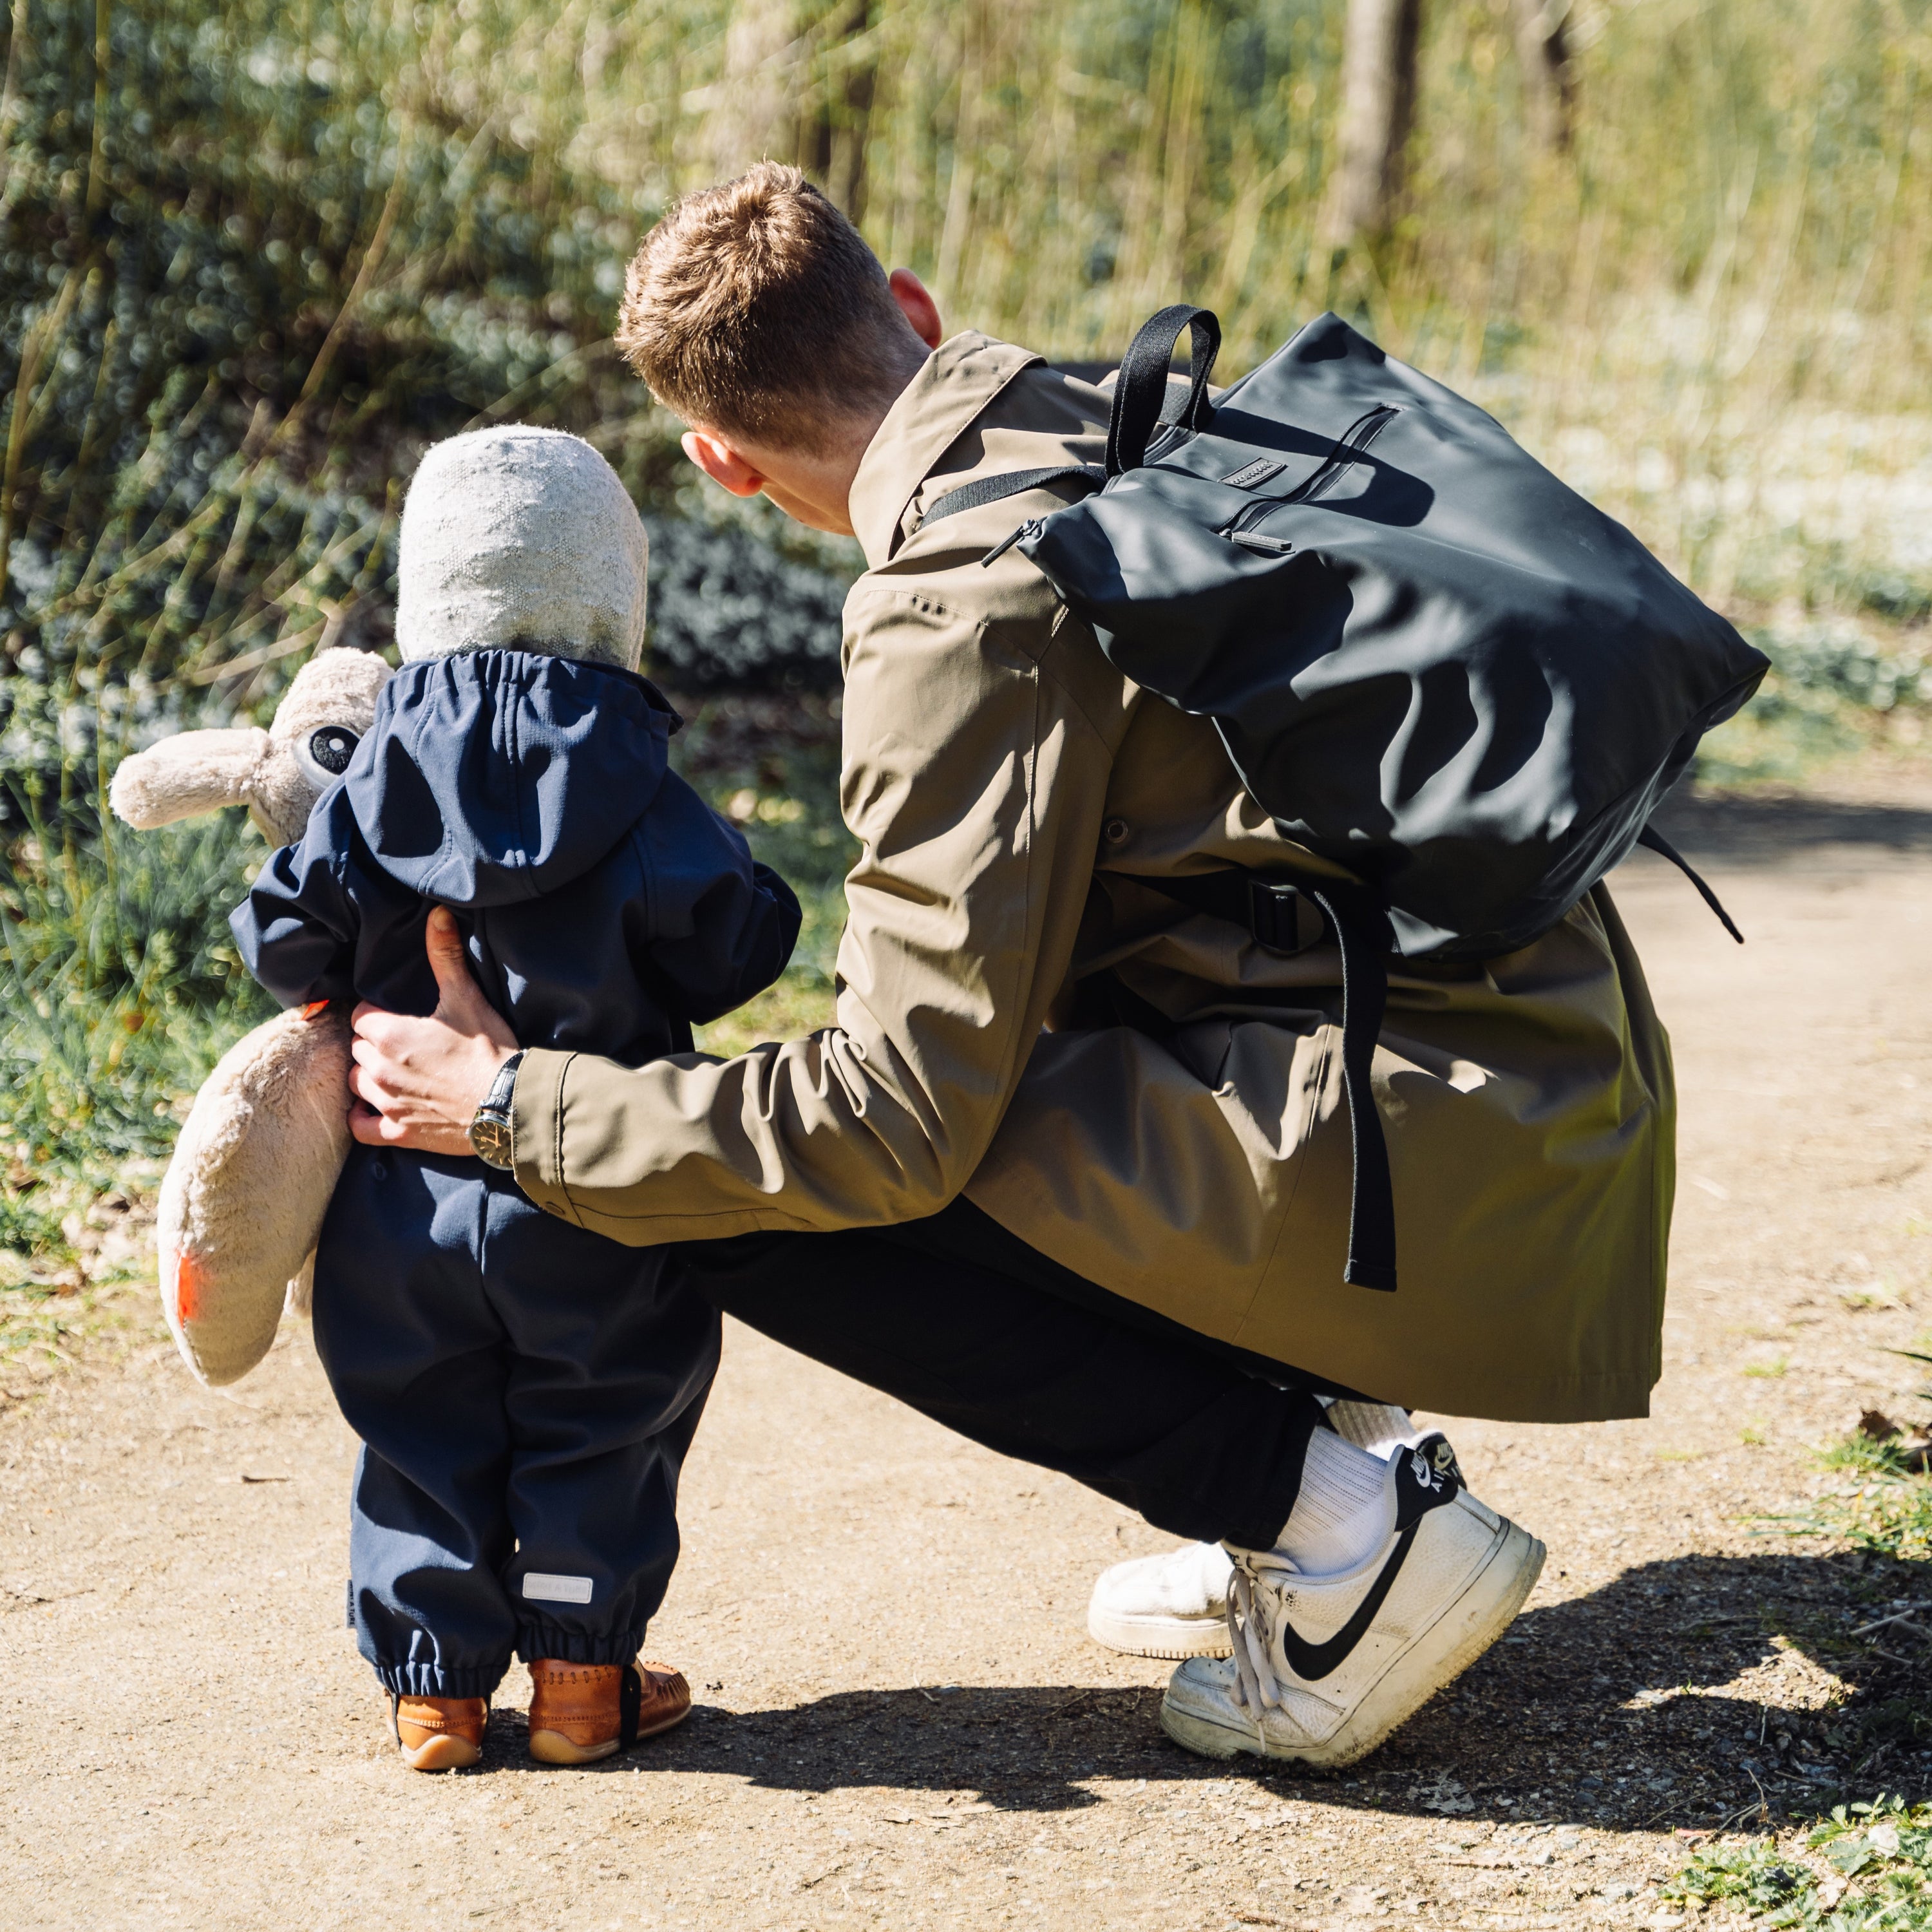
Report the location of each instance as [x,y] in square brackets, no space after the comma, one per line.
[581,1712]
[438,1733]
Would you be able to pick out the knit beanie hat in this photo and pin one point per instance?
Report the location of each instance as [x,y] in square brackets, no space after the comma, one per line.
[518,539]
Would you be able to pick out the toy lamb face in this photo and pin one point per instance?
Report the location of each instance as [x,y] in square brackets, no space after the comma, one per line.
[243,1200]
[278,774]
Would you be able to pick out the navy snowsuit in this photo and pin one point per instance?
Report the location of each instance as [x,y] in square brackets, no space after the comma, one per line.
[525,1391]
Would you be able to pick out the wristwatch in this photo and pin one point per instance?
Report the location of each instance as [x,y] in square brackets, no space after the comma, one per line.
[490,1131]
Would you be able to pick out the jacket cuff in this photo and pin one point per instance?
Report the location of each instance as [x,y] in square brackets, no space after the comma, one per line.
[536,1130]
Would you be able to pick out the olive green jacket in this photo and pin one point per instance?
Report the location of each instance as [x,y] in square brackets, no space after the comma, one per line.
[1011,792]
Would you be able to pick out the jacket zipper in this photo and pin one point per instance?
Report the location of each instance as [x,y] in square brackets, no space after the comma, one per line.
[1031,527]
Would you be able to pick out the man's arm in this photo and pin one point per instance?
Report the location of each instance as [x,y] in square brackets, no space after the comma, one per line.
[976,786]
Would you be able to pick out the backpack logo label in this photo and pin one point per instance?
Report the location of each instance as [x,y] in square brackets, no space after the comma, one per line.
[1254,474]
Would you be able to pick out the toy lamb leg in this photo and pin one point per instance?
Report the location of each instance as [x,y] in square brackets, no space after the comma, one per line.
[244,1195]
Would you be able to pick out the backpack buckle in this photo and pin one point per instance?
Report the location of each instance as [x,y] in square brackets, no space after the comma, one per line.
[1283,918]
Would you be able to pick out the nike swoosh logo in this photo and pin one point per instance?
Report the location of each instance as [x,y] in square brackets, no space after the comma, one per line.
[1312,1662]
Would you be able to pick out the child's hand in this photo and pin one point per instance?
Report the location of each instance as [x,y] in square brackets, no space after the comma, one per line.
[418,1082]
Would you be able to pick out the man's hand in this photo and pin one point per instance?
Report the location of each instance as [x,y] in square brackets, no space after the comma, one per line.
[417,1083]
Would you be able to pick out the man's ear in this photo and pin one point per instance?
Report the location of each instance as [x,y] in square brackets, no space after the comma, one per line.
[722,464]
[919,307]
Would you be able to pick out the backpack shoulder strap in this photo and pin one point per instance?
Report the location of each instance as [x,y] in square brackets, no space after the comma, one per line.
[1287,916]
[1140,404]
[1013,483]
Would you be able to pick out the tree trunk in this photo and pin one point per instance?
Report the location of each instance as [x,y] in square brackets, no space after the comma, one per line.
[1379,58]
[838,139]
[1543,56]
[752,117]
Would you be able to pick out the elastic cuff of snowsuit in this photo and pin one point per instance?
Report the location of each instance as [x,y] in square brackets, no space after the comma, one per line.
[431,1680]
[535,1640]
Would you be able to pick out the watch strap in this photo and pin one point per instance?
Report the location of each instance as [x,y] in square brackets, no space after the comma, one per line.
[503,1092]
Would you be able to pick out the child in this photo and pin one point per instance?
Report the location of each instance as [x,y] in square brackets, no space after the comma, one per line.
[525,1391]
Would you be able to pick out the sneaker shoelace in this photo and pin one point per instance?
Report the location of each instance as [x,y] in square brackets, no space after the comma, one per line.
[1254,1601]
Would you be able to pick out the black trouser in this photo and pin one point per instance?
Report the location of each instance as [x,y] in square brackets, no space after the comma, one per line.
[967,1324]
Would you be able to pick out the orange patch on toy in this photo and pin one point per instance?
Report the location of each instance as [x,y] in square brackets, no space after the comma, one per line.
[187,1280]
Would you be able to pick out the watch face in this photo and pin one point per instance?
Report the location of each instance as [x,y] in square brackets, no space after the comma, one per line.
[491,1138]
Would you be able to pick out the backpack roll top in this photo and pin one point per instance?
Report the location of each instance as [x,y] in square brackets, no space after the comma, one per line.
[1431,661]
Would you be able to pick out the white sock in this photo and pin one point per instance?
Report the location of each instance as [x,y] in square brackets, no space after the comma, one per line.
[1379,1427]
[1338,1520]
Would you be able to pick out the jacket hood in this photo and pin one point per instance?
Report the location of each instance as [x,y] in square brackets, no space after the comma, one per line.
[495,776]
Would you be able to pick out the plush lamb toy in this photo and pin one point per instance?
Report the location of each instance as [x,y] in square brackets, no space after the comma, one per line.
[244,1195]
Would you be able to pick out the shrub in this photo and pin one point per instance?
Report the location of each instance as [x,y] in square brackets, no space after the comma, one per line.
[248,275]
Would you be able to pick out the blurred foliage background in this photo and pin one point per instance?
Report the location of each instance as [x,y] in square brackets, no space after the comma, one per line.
[254,257]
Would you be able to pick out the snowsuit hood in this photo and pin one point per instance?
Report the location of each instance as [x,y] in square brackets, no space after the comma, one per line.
[498,775]
[605,907]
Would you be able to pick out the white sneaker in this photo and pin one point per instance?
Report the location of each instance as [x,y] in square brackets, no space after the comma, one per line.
[1325,1667]
[1170,1606]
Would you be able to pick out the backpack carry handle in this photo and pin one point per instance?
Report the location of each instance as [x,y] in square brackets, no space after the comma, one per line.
[1141,385]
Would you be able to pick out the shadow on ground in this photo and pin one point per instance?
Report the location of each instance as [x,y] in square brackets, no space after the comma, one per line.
[1610,1709]
[1780,830]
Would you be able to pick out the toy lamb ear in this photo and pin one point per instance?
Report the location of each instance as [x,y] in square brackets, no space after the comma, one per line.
[183,776]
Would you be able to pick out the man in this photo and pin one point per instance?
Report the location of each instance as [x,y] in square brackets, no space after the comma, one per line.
[1070,1170]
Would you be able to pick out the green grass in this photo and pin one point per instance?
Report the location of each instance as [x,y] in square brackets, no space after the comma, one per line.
[1882,1507]
[120,986]
[1837,688]
[1882,1503]
[1866,1868]
[119,990]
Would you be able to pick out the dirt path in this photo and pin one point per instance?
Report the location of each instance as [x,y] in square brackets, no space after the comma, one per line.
[901,1721]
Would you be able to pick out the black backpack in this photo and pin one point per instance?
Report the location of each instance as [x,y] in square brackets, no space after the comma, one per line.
[1432,663]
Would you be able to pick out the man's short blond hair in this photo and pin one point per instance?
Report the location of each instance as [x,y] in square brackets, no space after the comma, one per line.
[755,309]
